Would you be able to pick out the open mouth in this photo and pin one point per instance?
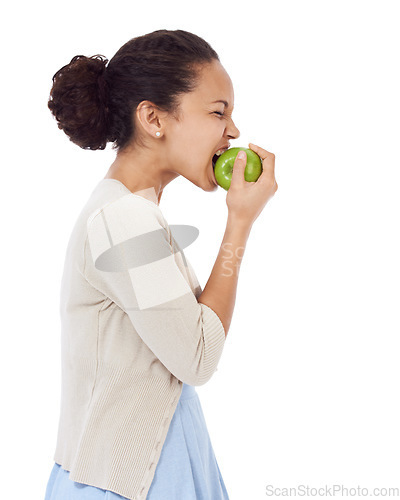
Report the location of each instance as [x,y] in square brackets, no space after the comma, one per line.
[214,160]
[217,155]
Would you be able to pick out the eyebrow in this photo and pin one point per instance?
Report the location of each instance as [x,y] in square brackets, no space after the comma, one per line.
[220,100]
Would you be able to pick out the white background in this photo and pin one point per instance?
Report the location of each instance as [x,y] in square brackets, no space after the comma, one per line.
[307,389]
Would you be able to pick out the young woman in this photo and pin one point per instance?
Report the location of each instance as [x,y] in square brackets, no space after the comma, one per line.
[138,332]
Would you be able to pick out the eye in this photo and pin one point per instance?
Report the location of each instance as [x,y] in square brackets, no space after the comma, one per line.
[218,113]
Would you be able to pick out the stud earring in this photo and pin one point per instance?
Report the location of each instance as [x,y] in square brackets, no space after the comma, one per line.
[158,134]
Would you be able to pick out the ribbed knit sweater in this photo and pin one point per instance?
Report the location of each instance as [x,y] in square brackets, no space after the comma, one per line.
[132,332]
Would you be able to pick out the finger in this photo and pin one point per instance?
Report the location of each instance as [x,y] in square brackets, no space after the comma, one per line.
[267,158]
[238,169]
[258,148]
[262,153]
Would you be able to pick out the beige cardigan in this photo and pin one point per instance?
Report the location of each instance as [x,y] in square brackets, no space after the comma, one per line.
[131,332]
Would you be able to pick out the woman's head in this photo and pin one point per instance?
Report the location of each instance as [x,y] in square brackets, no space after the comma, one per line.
[164,80]
[95,104]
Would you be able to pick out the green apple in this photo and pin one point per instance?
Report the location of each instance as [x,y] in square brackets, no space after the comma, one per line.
[224,167]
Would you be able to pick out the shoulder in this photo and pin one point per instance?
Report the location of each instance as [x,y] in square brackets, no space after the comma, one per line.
[127,210]
[129,224]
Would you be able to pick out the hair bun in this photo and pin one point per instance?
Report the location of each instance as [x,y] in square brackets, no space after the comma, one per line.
[79,101]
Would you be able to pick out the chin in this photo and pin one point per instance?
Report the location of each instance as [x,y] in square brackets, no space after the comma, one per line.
[207,185]
[211,184]
[211,188]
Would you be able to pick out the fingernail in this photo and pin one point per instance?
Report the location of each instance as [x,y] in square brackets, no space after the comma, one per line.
[242,155]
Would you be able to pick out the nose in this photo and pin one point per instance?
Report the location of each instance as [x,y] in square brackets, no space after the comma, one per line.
[232,131]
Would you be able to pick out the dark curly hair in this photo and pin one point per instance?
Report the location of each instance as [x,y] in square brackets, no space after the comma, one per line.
[94,103]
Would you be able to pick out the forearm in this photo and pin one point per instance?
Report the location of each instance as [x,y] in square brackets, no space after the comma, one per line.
[220,291]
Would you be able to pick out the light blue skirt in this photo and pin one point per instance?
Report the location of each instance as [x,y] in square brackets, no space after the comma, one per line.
[187,468]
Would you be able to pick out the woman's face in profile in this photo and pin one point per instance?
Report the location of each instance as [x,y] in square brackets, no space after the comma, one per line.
[204,127]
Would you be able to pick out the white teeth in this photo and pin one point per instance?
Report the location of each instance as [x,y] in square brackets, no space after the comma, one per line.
[219,152]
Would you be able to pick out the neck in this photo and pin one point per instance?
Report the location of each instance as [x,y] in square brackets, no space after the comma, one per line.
[140,173]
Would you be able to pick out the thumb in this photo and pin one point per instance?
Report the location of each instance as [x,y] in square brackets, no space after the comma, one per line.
[238,168]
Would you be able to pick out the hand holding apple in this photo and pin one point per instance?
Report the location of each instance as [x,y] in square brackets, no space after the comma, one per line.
[246,200]
[224,166]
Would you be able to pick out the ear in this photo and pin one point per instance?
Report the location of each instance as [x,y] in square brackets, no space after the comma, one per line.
[150,117]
